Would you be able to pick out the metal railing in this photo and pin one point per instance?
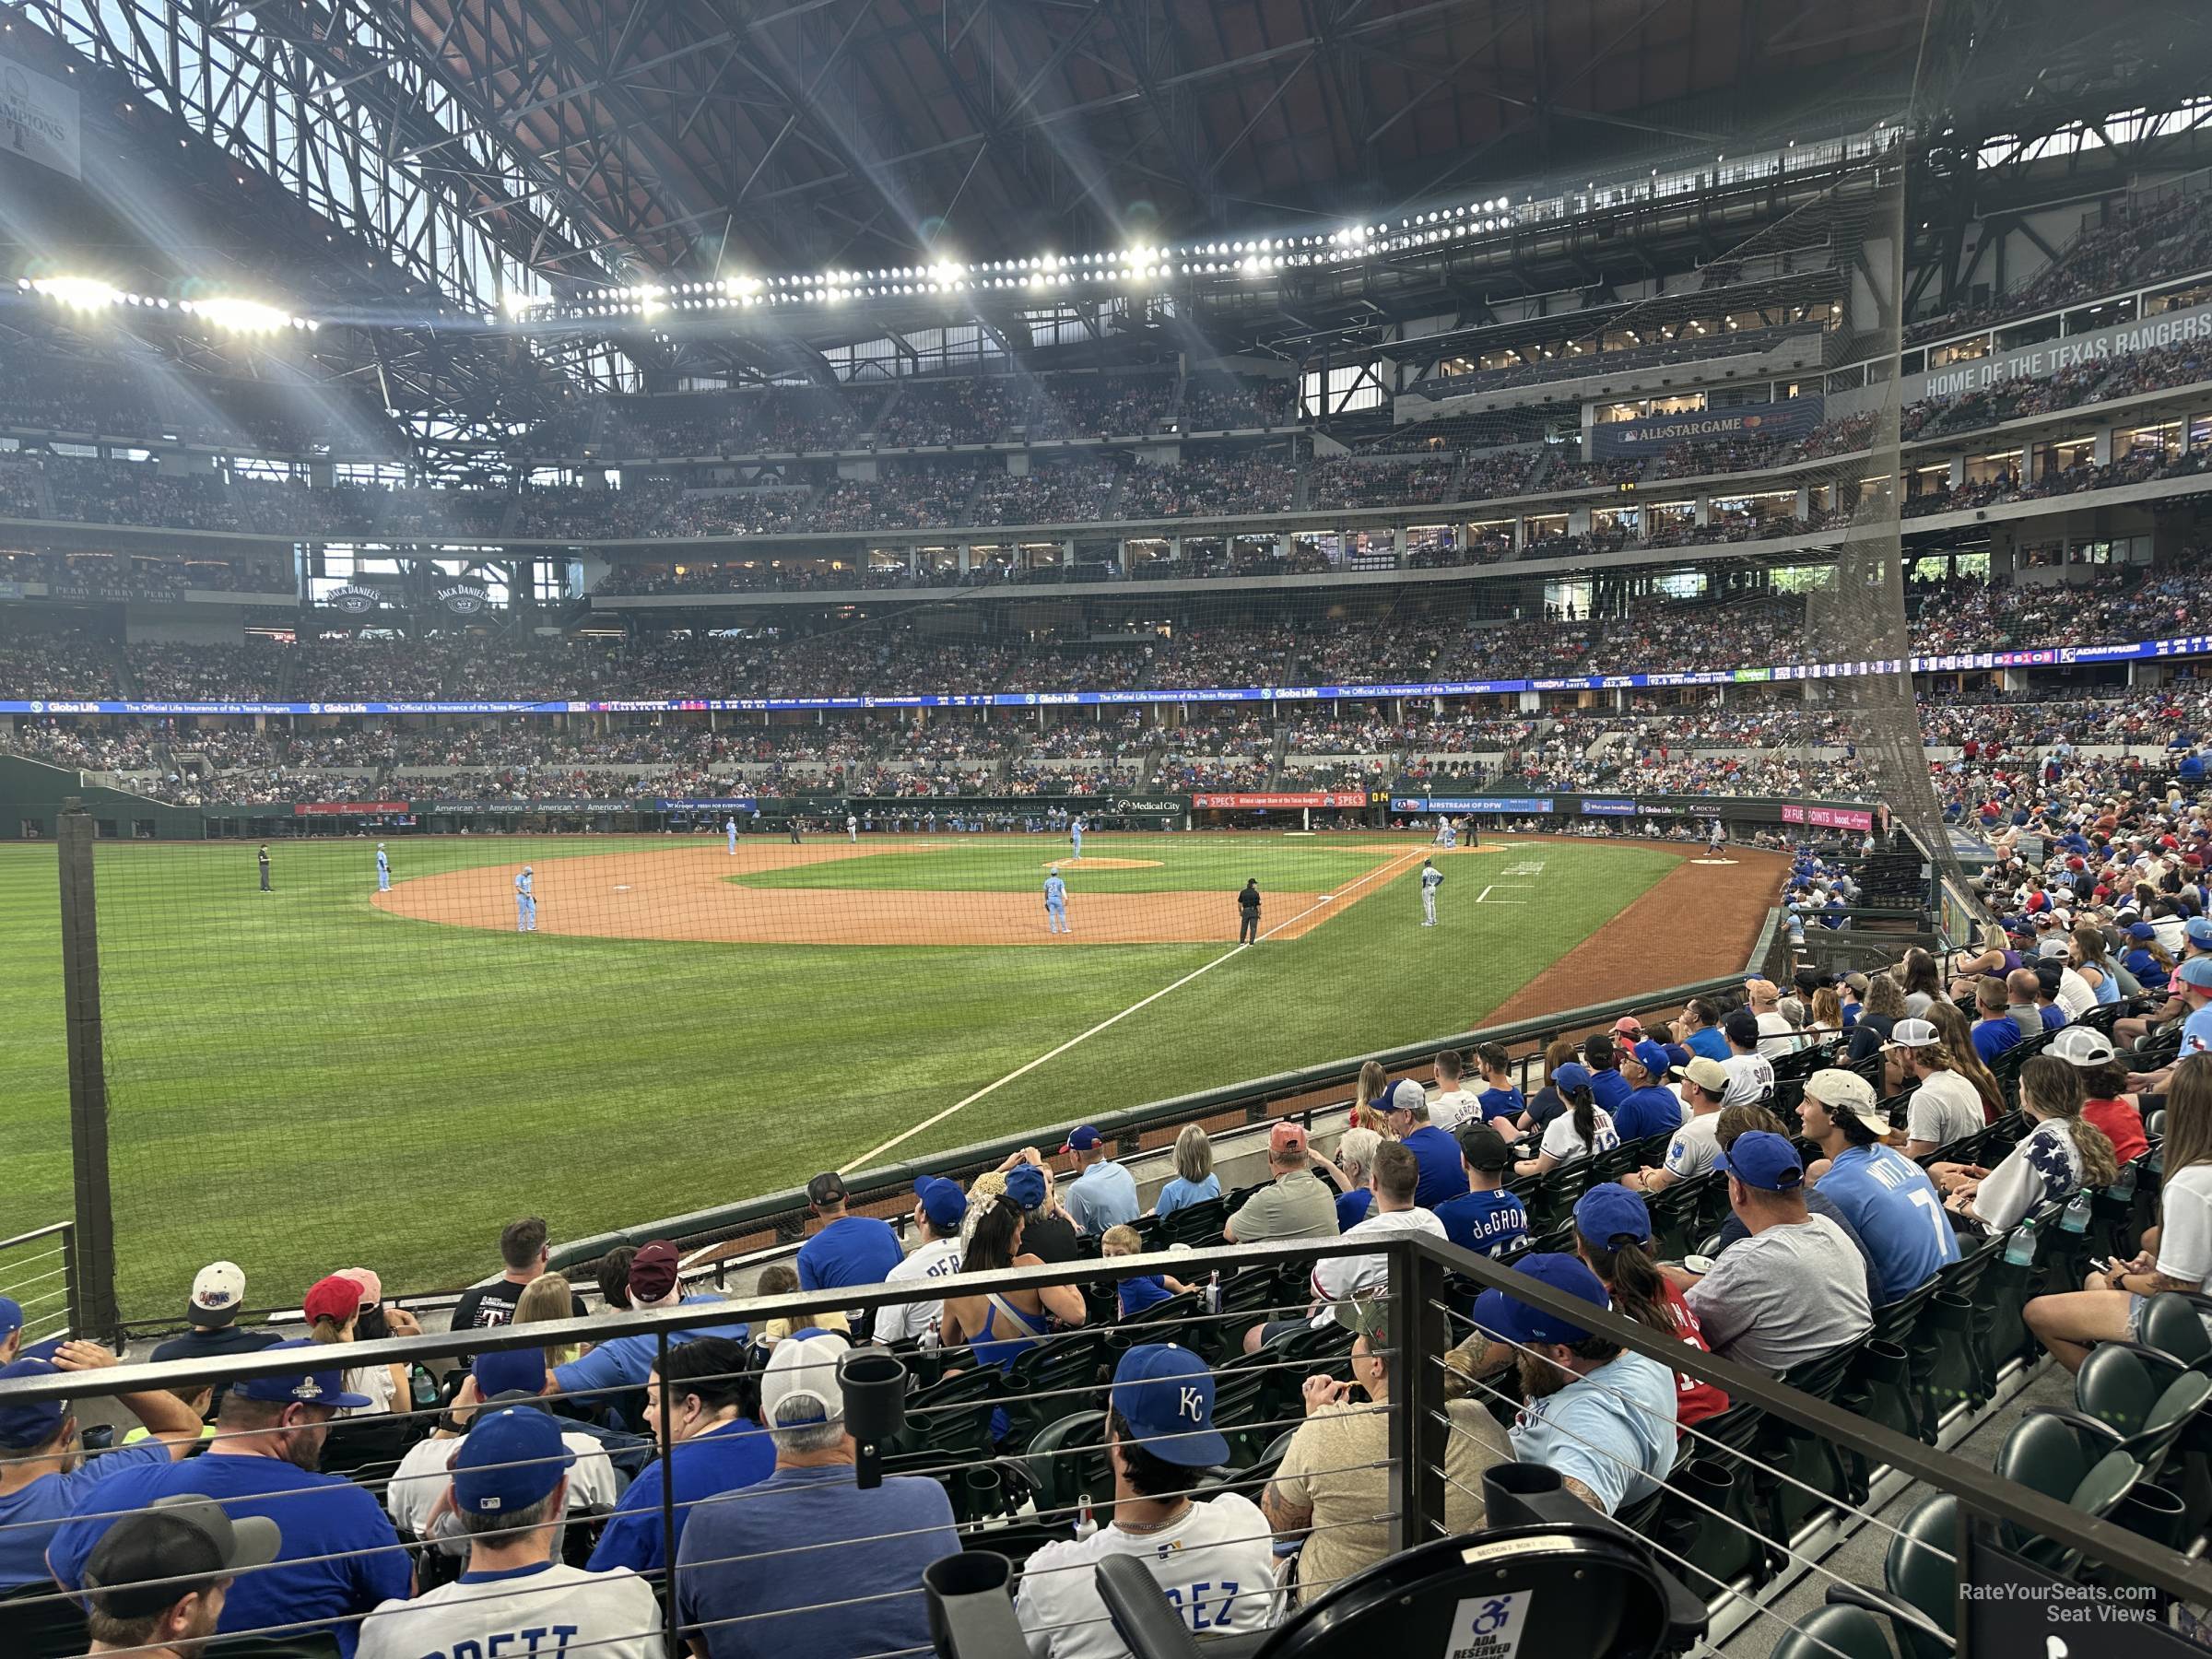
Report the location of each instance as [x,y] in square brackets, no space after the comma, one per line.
[1424,1298]
[37,1273]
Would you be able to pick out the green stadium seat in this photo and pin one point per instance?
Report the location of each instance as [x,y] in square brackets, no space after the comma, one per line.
[2173,1323]
[2061,1456]
[1835,1633]
[1054,1378]
[1801,1476]
[2143,1397]
[1067,1460]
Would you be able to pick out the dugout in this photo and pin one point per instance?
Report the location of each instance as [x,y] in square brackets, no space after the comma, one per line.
[32,796]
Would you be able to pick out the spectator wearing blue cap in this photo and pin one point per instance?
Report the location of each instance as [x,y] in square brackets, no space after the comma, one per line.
[1613,1235]
[1795,1287]
[416,1494]
[44,1474]
[2147,960]
[1487,1219]
[939,1208]
[1601,1415]
[848,1250]
[804,1562]
[340,1557]
[1650,1107]
[1583,1130]
[509,1490]
[1104,1193]
[1214,1560]
[1048,1234]
[1436,1152]
[715,1443]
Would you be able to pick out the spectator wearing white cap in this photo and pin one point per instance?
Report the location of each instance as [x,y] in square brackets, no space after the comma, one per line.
[2058,1156]
[2105,1080]
[156,1582]
[44,1474]
[219,1292]
[1887,1199]
[939,1208]
[509,1490]
[1436,1152]
[752,1566]
[1696,1143]
[1213,1559]
[1946,1107]
[1104,1193]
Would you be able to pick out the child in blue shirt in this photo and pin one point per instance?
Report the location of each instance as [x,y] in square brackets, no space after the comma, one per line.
[1141,1292]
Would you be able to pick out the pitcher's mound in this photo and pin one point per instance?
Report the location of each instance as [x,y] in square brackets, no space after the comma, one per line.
[1100,863]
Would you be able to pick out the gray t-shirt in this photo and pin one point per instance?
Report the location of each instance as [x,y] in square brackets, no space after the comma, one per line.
[1783,1296]
[1293,1205]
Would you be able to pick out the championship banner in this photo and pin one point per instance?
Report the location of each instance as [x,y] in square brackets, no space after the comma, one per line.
[345,808]
[1268,803]
[38,119]
[1792,418]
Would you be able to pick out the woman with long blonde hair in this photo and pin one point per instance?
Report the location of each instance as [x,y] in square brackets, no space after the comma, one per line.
[1373,1084]
[549,1296]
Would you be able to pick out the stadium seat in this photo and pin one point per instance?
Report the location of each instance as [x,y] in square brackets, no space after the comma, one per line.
[2058,1454]
[2143,1399]
[2173,1323]
[309,1644]
[951,1419]
[39,1623]
[1835,1633]
[1056,1377]
[1800,1476]
[1067,1463]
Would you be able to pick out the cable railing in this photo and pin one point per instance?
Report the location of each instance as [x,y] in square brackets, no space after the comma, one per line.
[37,1273]
[1410,1346]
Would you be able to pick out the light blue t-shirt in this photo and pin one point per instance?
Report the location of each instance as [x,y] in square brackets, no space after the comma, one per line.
[1180,1195]
[29,1518]
[1613,1430]
[1104,1196]
[1894,1207]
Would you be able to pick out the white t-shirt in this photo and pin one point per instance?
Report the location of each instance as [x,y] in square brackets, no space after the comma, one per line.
[1564,1143]
[1336,1277]
[1694,1145]
[1750,1079]
[375,1380]
[934,1260]
[1453,1107]
[2075,994]
[1216,1564]
[2185,1236]
[421,1479]
[1777,1036]
[1945,1108]
[610,1614]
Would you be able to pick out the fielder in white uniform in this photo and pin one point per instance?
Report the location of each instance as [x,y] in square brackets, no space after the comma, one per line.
[525,902]
[729,829]
[1431,879]
[384,870]
[852,829]
[1447,836]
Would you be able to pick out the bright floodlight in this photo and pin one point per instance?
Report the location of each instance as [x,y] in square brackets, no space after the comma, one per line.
[516,304]
[239,316]
[81,293]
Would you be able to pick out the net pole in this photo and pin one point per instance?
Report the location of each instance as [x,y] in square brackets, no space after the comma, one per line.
[94,1232]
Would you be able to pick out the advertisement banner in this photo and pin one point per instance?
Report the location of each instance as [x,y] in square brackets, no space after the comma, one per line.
[1792,418]
[38,119]
[564,804]
[707,804]
[345,809]
[1829,818]
[1269,803]
[1591,803]
[353,599]
[464,598]
[2047,358]
[1530,803]
[1148,805]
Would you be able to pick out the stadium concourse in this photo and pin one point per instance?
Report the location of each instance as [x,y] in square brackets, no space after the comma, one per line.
[1329,826]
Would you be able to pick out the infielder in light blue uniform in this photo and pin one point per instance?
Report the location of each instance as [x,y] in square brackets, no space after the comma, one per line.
[1074,835]
[729,829]
[1431,879]
[525,903]
[384,870]
[1056,904]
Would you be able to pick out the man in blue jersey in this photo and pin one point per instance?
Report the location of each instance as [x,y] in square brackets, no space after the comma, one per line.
[1055,903]
[1650,1107]
[1487,1219]
[1438,1154]
[526,901]
[1888,1198]
[383,869]
[850,1250]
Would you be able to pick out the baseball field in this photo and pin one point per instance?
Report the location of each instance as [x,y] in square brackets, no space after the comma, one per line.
[324,1075]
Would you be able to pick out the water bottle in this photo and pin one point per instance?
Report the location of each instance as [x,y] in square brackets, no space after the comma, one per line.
[2076,1217]
[2123,1185]
[1213,1292]
[2019,1249]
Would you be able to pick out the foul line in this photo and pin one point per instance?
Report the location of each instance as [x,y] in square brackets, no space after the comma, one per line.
[865,1159]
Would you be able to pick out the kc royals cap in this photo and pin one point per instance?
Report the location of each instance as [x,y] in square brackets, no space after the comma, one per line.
[1165,1394]
[33,1422]
[219,1291]
[2082,1045]
[11,1317]
[1609,1216]
[1025,1185]
[1763,1159]
[1651,1057]
[942,1201]
[303,1388]
[509,1460]
[152,1558]
[1509,1319]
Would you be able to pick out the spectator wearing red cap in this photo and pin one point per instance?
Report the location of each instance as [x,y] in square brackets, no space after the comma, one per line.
[626,1362]
[333,1309]
[1294,1205]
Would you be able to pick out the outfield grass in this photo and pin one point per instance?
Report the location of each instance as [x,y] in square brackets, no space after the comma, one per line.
[302,1082]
